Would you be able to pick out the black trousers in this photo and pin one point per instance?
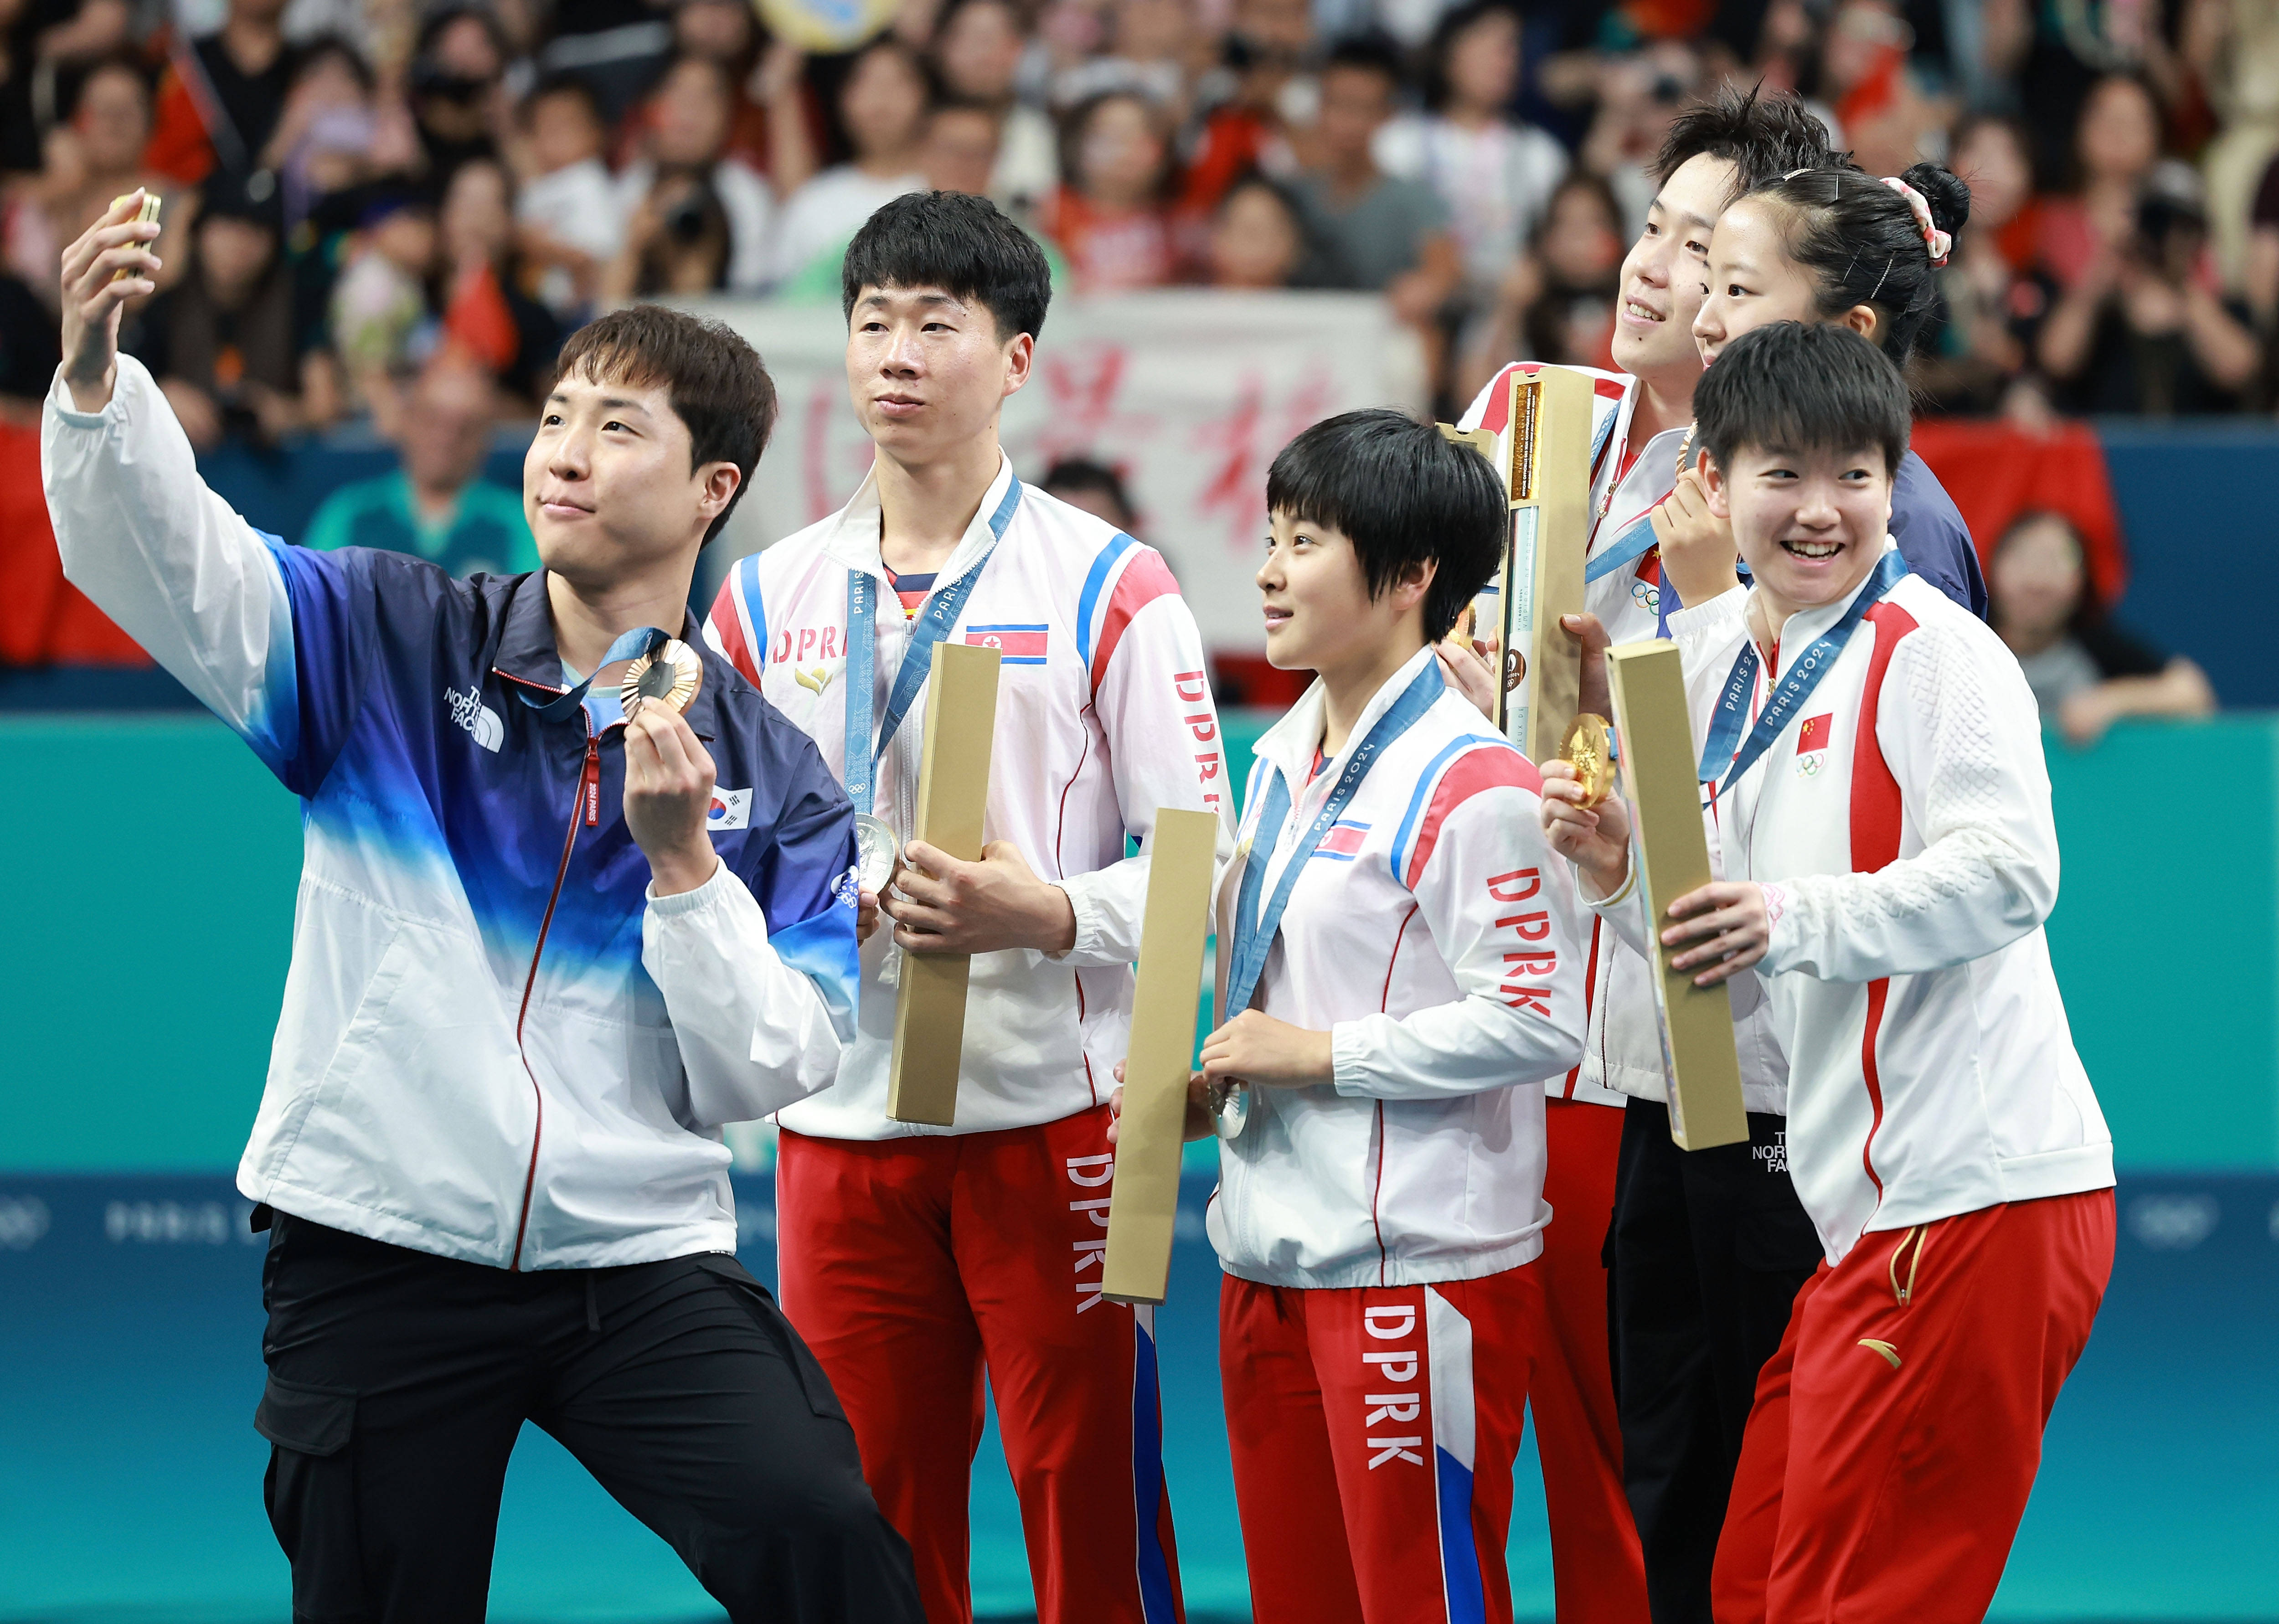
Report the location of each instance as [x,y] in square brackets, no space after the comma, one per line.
[1706,1254]
[398,1382]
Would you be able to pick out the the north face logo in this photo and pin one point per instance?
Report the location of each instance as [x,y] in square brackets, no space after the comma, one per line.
[469,711]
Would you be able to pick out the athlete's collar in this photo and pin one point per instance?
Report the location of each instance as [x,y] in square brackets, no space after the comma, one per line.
[853,542]
[1808,623]
[1290,743]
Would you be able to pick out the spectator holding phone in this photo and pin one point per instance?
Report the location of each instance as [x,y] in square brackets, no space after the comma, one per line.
[2146,328]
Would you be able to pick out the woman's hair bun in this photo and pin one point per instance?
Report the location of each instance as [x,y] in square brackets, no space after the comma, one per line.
[1944,191]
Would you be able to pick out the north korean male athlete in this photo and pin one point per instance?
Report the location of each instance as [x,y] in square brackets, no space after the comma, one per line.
[914,1258]
[542,954]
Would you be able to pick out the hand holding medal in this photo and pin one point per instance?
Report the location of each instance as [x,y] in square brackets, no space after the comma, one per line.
[1583,819]
[669,773]
[1588,747]
[671,674]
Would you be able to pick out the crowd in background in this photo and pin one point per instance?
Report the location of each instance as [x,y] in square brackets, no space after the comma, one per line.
[395,210]
[356,189]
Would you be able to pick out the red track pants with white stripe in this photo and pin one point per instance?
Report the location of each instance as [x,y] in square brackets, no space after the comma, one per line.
[1897,1431]
[1373,1432]
[911,1265]
[1597,1570]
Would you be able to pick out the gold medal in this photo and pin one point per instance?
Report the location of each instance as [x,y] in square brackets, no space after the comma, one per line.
[1586,749]
[150,212]
[671,675]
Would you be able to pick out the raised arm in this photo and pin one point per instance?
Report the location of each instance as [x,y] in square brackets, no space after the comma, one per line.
[138,531]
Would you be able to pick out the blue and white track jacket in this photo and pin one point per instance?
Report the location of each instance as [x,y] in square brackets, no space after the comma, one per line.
[494,1046]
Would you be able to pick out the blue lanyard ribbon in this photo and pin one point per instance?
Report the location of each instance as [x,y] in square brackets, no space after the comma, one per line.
[1253,936]
[1804,674]
[630,646]
[1599,440]
[932,625]
[1629,548]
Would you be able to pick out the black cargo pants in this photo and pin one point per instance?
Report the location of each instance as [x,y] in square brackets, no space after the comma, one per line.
[398,1382]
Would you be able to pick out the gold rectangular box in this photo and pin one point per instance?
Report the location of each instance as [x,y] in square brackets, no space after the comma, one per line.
[1145,1197]
[961,720]
[1660,780]
[1542,458]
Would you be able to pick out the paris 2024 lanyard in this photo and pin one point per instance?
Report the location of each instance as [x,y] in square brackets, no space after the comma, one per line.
[1805,673]
[932,625]
[1254,933]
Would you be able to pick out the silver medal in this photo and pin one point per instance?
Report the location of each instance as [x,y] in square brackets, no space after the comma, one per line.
[876,850]
[1229,1107]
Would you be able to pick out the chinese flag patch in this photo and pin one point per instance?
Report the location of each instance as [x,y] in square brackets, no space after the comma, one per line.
[1815,732]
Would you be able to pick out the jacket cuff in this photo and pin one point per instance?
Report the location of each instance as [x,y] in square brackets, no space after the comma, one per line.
[1782,943]
[1085,948]
[1623,893]
[59,398]
[705,896]
[1352,1069]
[1694,619]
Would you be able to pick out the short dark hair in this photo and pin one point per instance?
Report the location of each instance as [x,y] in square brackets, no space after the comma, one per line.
[1370,52]
[712,377]
[962,244]
[1403,493]
[338,48]
[1454,23]
[1076,123]
[1761,133]
[1795,386]
[561,84]
[123,60]
[1083,473]
[1860,243]
[920,64]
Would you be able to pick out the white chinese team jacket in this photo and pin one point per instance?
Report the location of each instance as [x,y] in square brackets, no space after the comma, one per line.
[1901,825]
[1434,935]
[1104,714]
[1622,1051]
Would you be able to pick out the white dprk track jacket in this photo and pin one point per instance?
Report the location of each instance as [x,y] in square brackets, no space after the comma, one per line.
[1901,823]
[1622,1050]
[1434,935]
[494,1045]
[1104,714]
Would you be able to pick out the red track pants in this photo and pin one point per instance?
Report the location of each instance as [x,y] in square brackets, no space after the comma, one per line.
[911,1264]
[1897,1431]
[1597,1571]
[1373,1433]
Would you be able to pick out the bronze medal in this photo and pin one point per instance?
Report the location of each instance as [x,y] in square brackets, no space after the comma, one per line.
[671,676]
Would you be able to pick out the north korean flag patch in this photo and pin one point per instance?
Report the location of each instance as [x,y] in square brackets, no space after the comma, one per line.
[1342,841]
[1812,738]
[1015,645]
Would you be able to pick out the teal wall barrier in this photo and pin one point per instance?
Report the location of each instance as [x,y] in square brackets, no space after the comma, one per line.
[151,866]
